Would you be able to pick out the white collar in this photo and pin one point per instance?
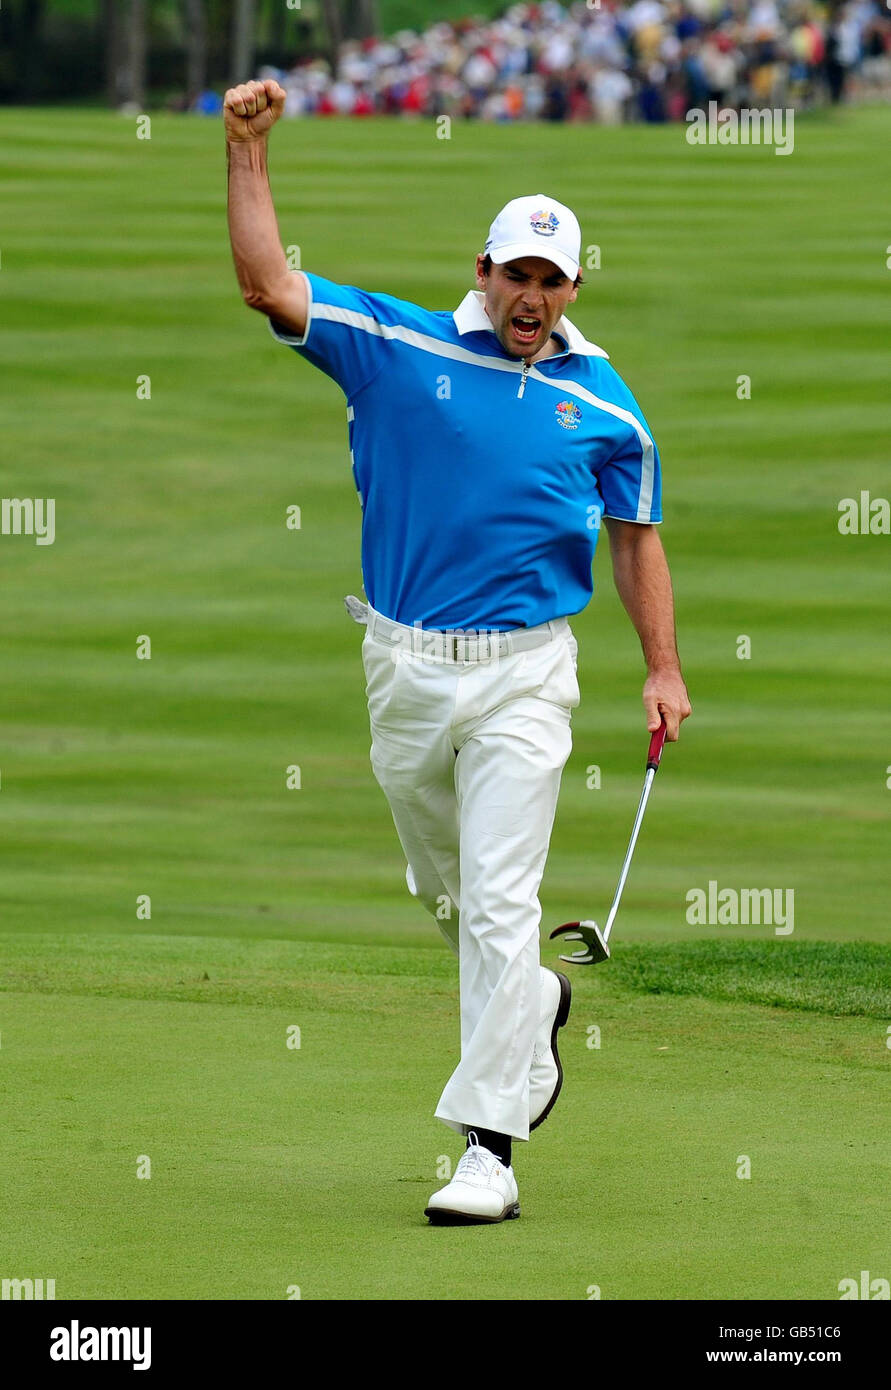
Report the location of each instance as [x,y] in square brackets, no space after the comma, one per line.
[471,317]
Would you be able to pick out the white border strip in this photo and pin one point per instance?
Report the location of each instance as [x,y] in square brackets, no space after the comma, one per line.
[288,338]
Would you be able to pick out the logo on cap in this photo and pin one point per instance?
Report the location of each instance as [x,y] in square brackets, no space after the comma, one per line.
[544,223]
[568,415]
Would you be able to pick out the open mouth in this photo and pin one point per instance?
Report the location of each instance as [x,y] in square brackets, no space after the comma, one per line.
[526,327]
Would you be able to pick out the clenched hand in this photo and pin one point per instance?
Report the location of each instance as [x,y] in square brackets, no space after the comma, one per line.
[252,109]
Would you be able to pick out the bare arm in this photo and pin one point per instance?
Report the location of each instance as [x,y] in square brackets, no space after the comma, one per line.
[643,582]
[249,113]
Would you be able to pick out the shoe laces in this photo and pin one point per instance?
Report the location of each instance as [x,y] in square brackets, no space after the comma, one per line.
[475,1159]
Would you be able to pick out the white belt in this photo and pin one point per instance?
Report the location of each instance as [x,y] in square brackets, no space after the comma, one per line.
[456,644]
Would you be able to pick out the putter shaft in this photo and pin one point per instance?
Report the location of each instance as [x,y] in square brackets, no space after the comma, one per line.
[644,797]
[596,946]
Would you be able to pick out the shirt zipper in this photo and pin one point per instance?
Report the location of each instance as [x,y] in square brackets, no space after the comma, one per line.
[526,371]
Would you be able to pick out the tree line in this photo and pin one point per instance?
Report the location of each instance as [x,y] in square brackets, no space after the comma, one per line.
[124,52]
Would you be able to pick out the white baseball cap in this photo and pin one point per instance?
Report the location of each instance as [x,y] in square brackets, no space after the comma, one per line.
[536,226]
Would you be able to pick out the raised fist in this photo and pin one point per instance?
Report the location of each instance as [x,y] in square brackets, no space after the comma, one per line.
[252,109]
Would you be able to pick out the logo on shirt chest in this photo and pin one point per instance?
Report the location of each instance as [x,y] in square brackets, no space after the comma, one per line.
[568,415]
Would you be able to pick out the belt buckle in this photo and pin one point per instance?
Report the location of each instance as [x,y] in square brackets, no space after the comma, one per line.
[471,643]
[457,648]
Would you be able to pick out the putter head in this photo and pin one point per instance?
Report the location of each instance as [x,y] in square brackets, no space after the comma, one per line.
[596,949]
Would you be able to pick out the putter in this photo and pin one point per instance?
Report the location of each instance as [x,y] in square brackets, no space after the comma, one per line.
[596,941]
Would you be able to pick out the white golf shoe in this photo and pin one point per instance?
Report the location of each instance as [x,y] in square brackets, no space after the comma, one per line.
[482,1190]
[546,1073]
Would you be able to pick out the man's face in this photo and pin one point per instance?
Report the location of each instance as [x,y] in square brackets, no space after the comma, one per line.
[525,300]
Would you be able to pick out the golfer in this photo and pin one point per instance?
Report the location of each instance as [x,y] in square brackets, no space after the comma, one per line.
[487,446]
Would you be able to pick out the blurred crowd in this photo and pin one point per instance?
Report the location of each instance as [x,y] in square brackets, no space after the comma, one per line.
[609,62]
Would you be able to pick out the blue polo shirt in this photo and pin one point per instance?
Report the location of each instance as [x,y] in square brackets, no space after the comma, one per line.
[482,482]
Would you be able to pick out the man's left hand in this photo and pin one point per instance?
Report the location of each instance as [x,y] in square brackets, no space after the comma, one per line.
[665,696]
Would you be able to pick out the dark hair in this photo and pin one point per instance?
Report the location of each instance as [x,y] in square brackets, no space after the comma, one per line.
[487,269]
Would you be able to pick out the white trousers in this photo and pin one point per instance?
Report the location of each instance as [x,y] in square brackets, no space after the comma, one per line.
[469,756]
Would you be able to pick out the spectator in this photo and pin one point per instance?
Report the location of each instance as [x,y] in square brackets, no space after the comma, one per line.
[567,62]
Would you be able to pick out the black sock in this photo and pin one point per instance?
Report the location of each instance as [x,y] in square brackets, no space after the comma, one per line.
[498,1144]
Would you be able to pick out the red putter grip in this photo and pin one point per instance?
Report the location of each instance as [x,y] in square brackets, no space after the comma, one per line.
[657,743]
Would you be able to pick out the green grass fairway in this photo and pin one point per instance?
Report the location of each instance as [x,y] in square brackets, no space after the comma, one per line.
[125,1036]
[273,1167]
